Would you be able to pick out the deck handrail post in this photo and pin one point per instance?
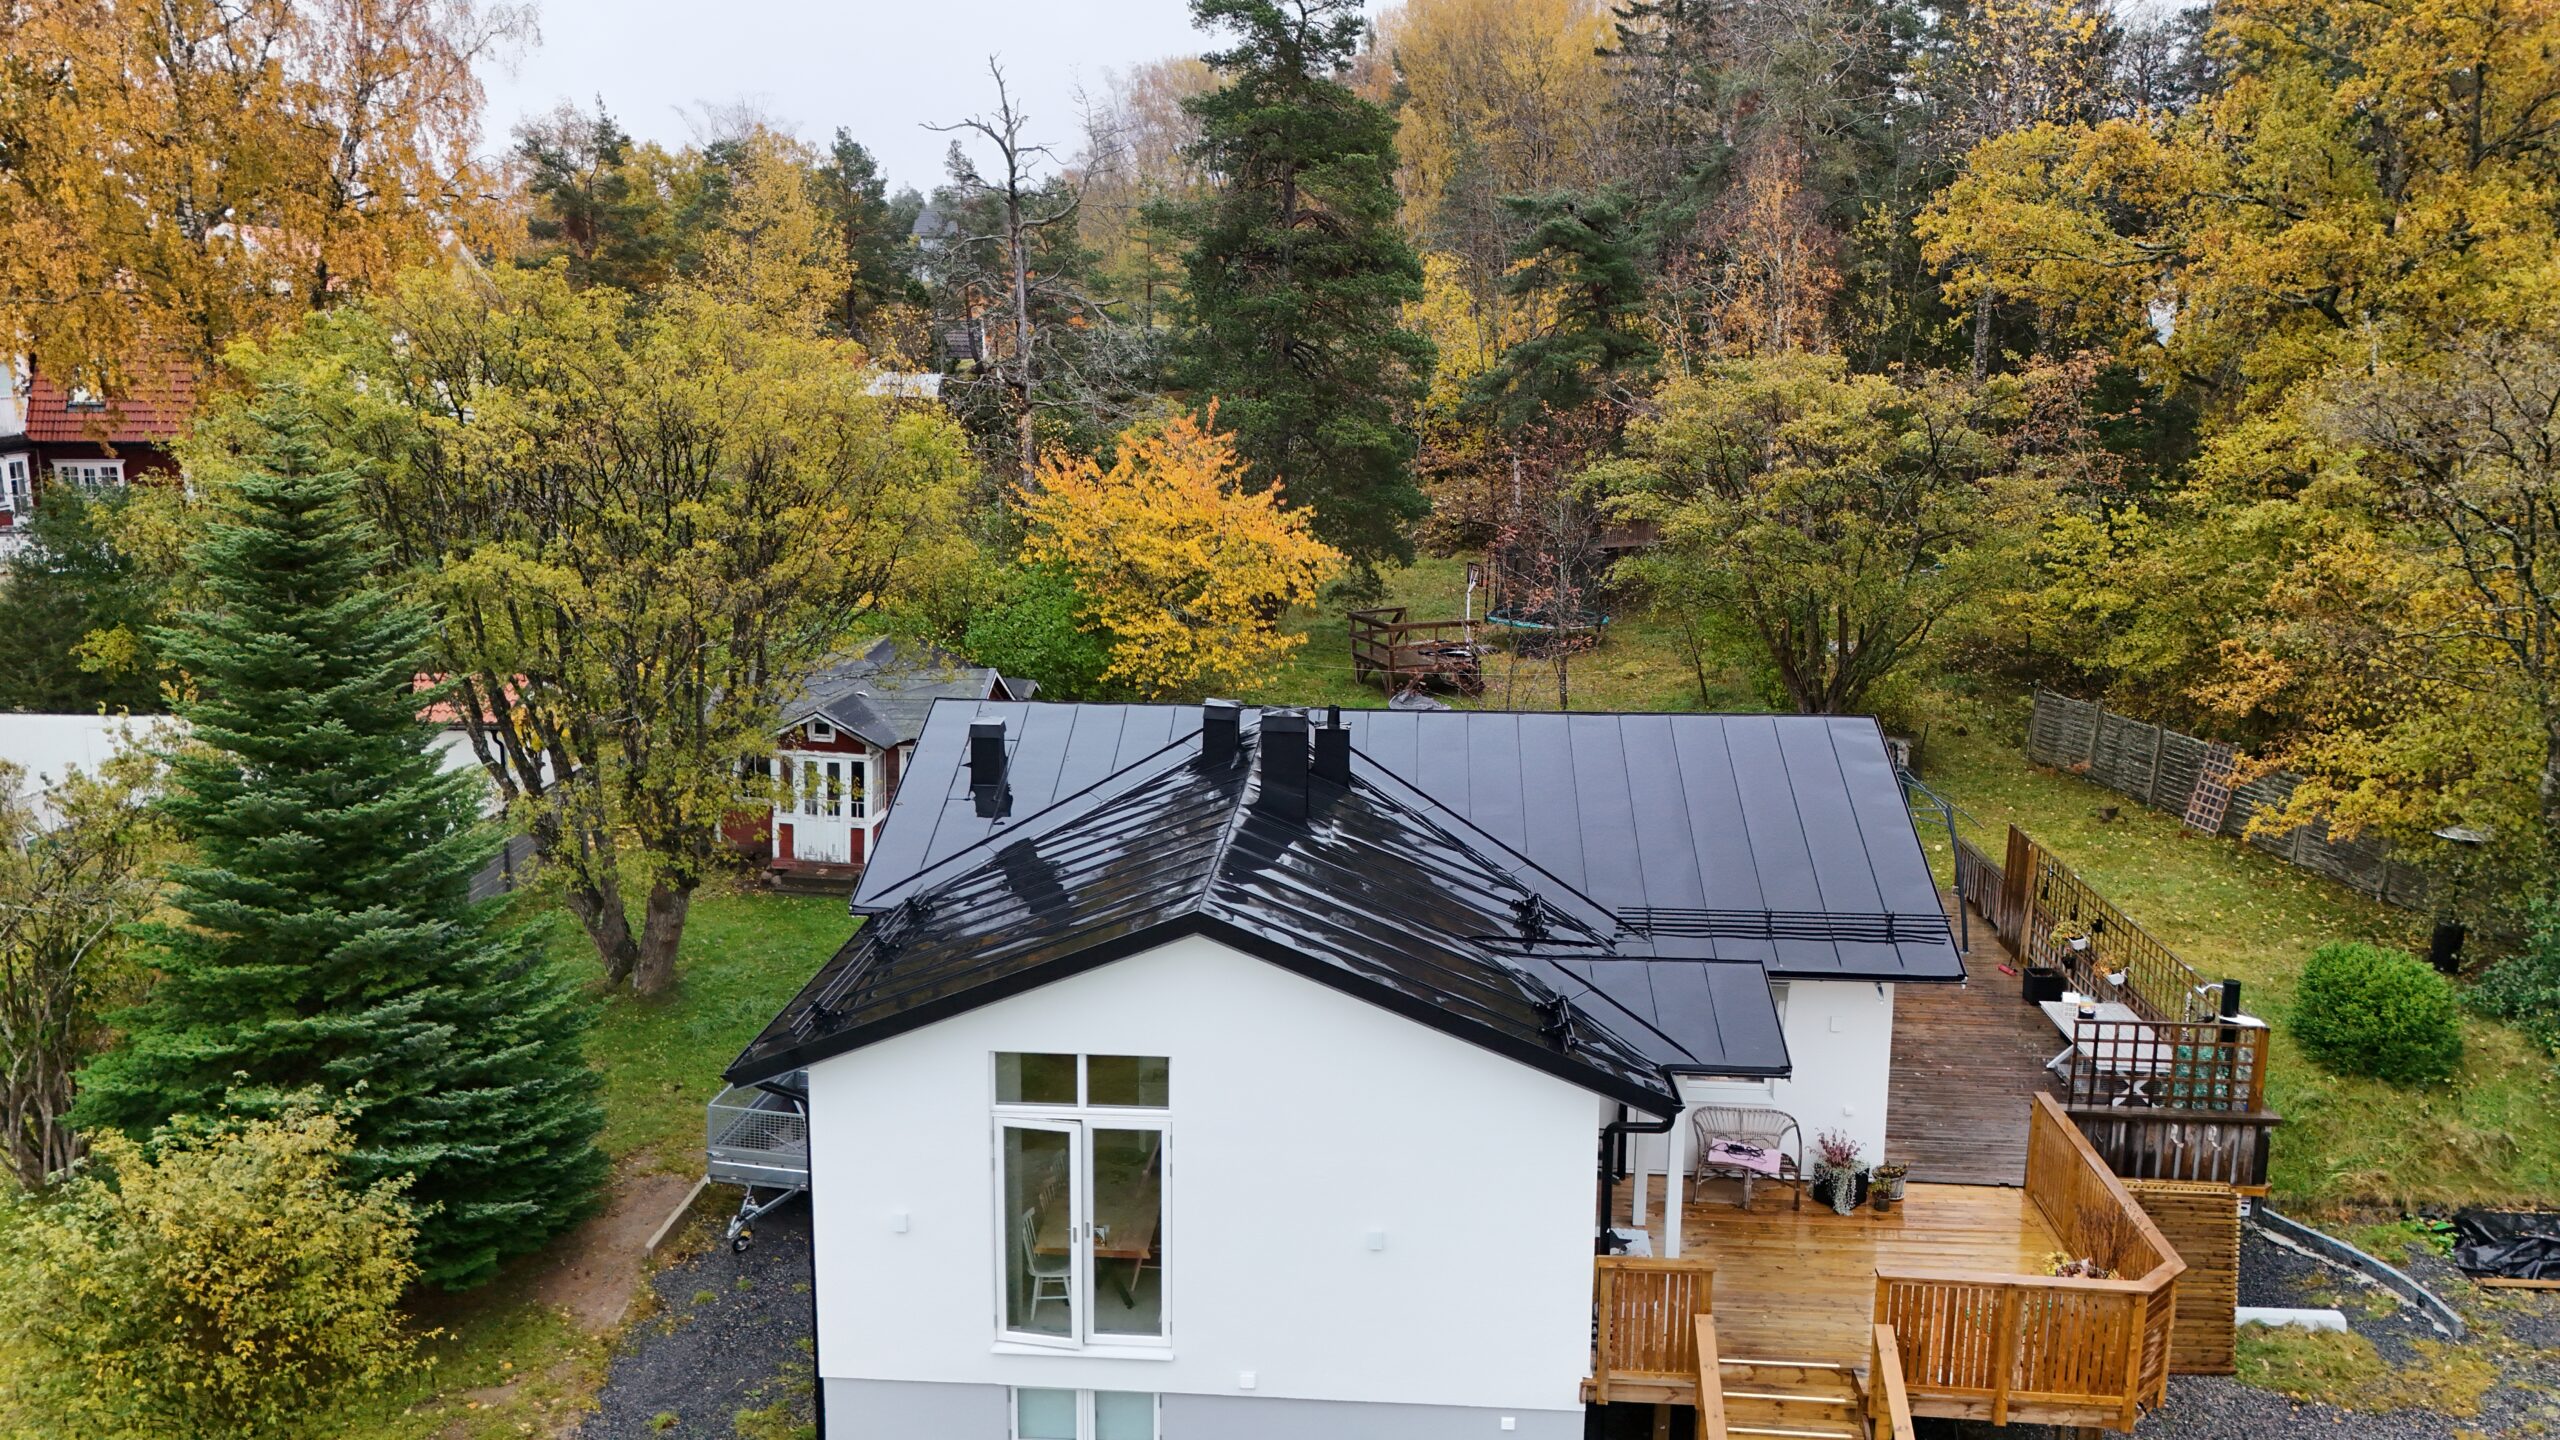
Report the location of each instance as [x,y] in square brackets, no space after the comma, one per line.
[1603,1351]
[2004,1355]
[1711,1425]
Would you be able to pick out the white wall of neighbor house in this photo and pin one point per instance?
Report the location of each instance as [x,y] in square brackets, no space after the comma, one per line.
[1357,1207]
[1840,1038]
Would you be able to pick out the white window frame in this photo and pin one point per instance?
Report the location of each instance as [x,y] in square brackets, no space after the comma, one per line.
[18,483]
[821,732]
[1085,1421]
[89,474]
[1080,1120]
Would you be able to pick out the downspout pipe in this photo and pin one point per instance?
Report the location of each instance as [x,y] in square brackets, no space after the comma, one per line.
[1611,1135]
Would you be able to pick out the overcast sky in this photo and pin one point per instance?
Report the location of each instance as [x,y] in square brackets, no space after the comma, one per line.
[875,67]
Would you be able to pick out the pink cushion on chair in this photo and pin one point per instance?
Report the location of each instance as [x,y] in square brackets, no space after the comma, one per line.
[1743,1157]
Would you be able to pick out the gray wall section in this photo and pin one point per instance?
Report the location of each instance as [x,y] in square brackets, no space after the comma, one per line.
[900,1410]
[897,1410]
[1243,1417]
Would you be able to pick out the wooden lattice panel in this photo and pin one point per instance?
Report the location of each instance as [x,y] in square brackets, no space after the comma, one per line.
[2202,1222]
[2212,798]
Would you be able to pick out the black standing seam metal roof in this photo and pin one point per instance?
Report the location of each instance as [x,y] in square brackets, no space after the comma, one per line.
[1366,894]
[1780,840]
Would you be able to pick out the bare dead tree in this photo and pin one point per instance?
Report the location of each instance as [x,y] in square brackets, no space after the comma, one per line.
[1025,208]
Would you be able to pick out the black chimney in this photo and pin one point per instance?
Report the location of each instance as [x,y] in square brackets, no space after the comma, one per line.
[1333,748]
[1284,764]
[1219,720]
[986,769]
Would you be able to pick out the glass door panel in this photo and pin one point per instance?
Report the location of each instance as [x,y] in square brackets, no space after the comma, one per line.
[1044,1415]
[1123,1415]
[1127,1215]
[1042,1222]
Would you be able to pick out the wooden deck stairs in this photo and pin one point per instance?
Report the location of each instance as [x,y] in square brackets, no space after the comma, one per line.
[1743,1397]
[1792,1400]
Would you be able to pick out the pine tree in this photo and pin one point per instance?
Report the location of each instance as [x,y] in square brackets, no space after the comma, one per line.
[1578,263]
[328,939]
[1298,275]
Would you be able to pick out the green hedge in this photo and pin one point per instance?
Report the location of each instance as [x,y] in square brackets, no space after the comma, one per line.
[2524,989]
[2367,1010]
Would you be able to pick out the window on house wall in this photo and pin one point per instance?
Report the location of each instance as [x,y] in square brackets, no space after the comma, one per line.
[96,474]
[821,732]
[1084,1415]
[1080,1191]
[17,485]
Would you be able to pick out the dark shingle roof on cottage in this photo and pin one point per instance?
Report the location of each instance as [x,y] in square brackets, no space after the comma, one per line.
[883,692]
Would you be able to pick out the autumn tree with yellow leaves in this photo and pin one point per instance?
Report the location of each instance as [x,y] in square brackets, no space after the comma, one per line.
[1185,567]
[181,174]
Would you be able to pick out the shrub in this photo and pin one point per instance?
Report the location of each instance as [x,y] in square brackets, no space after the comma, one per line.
[2524,988]
[2369,1010]
[222,1282]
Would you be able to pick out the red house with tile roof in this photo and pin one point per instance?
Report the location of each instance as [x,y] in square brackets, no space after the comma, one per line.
[58,433]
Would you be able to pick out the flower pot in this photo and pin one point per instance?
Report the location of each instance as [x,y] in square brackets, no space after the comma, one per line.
[1881,1197]
[2078,943]
[2041,985]
[1843,1190]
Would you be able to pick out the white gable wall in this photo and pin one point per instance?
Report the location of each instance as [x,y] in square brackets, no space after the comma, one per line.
[1302,1120]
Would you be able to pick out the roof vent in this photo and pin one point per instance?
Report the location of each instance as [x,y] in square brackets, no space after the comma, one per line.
[1284,764]
[1220,721]
[1333,748]
[993,797]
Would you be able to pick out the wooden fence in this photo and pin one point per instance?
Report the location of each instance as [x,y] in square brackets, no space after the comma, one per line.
[2203,1222]
[2046,1349]
[2163,769]
[1646,1311]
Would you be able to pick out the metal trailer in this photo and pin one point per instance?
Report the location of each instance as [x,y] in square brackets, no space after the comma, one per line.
[758,1138]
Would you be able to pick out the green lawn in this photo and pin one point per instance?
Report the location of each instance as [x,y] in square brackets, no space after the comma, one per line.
[1638,664]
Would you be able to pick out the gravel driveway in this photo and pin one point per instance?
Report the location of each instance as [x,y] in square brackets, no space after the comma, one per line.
[730,1333]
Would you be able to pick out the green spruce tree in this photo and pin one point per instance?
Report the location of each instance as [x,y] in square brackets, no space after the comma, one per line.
[327,938]
[1578,264]
[1298,275]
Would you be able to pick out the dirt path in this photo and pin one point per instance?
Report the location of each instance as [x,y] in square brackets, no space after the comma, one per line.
[602,1263]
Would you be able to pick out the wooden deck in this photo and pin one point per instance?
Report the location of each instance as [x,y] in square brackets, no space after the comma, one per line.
[1966,1059]
[1801,1284]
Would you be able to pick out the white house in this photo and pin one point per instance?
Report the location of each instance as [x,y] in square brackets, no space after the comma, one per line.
[1203,1073]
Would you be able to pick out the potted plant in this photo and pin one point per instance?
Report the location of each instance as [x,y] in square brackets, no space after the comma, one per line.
[1887,1182]
[2072,935]
[1839,1179]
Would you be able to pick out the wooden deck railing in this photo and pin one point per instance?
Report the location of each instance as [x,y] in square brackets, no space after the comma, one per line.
[2046,1349]
[1888,1405]
[1388,647]
[2223,1149]
[1647,1311]
[1710,1381]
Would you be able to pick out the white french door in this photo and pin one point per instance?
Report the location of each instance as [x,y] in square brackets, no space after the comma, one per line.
[823,798]
[1080,1207]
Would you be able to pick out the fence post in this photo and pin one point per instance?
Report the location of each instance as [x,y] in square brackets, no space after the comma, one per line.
[2151,787]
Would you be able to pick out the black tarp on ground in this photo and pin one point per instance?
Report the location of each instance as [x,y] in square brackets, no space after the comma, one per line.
[2507,1244]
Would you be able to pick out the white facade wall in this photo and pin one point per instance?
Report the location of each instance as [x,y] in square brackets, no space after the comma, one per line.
[1840,1040]
[1302,1120]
